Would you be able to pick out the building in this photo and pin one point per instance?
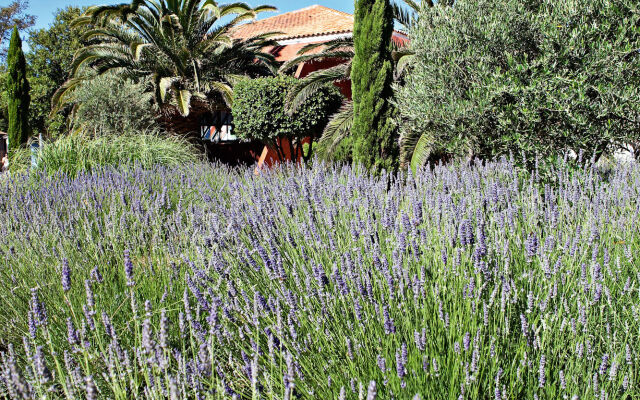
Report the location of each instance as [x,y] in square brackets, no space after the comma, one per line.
[296,29]
[4,144]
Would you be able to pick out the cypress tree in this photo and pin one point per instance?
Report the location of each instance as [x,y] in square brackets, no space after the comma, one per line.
[18,92]
[373,134]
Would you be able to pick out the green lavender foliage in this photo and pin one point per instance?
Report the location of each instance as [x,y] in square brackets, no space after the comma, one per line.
[17,92]
[301,282]
[374,139]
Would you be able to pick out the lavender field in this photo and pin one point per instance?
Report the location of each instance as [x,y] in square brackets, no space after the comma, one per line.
[202,282]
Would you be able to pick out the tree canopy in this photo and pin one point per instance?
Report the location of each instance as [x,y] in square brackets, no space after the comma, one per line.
[13,15]
[516,76]
[185,48]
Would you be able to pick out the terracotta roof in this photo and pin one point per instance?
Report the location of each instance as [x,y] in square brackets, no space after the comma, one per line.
[309,21]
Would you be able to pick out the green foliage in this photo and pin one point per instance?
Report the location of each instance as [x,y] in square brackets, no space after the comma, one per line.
[75,153]
[374,139]
[50,58]
[111,105]
[4,100]
[516,76]
[13,16]
[260,113]
[17,92]
[183,47]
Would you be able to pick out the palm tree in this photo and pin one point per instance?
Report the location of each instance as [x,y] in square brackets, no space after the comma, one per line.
[339,125]
[183,47]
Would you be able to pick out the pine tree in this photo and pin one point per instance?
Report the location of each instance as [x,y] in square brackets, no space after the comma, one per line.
[373,134]
[18,93]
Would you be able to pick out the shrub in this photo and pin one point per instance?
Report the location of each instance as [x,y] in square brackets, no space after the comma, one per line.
[259,112]
[537,77]
[305,283]
[73,154]
[111,105]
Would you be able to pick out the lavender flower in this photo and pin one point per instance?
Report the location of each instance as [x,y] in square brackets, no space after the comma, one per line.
[541,372]
[371,391]
[531,245]
[401,361]
[389,326]
[128,269]
[66,275]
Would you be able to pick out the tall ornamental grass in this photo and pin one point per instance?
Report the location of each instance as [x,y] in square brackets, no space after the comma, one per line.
[321,283]
[75,153]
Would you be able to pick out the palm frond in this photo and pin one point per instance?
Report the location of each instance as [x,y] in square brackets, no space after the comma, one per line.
[64,94]
[338,55]
[338,127]
[306,87]
[221,88]
[421,152]
[183,47]
[183,101]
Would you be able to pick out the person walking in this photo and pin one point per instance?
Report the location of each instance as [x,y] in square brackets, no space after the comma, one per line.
[5,164]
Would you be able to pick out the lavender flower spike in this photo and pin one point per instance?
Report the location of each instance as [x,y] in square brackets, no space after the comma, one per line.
[66,275]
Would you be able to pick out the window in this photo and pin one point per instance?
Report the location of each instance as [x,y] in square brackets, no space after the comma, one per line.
[218,127]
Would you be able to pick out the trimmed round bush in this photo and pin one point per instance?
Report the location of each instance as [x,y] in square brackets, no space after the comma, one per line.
[259,110]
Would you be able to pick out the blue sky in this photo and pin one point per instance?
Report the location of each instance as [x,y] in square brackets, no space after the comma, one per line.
[45,9]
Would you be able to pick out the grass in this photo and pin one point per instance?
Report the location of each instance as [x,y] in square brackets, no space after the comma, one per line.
[320,282]
[75,153]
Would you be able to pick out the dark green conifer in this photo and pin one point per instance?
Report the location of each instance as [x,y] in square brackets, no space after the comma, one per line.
[18,93]
[373,134]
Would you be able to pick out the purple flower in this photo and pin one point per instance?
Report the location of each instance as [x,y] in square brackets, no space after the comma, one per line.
[38,308]
[33,327]
[96,275]
[466,341]
[371,391]
[604,364]
[531,245]
[90,388]
[128,269]
[88,315]
[72,336]
[66,275]
[541,372]
[401,361]
[42,371]
[389,326]
[89,293]
[382,364]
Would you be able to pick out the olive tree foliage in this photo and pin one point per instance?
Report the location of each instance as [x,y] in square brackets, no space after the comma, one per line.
[260,113]
[532,77]
[111,105]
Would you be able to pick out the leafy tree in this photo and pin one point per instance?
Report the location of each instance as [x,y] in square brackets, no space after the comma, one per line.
[339,126]
[260,114]
[110,105]
[17,92]
[12,16]
[184,48]
[50,59]
[374,139]
[516,76]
